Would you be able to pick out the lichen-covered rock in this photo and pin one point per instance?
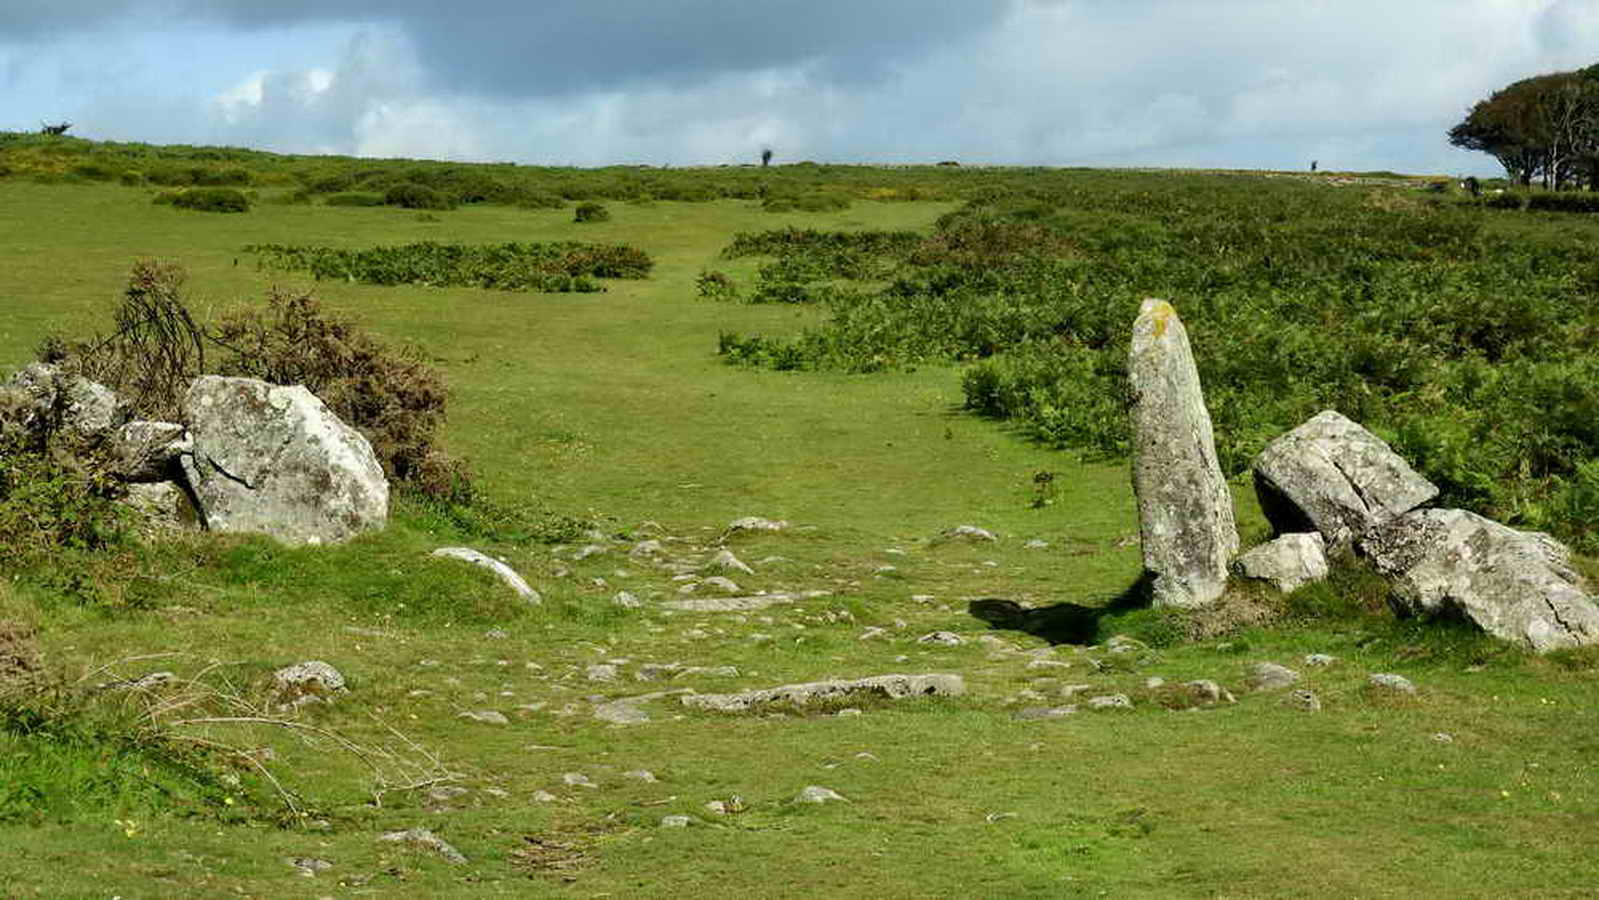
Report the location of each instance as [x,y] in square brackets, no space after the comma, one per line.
[86,408]
[1185,513]
[1334,477]
[1515,585]
[148,451]
[276,460]
[162,507]
[312,681]
[1287,563]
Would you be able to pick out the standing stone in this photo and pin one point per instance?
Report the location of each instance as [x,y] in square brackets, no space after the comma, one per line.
[277,460]
[1332,476]
[1185,512]
[1515,585]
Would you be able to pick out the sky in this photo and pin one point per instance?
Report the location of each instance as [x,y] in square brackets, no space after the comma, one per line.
[1353,84]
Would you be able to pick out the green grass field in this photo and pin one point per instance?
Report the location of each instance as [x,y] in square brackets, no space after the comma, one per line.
[615,407]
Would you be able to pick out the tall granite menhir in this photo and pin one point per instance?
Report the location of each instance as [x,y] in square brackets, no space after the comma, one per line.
[1185,513]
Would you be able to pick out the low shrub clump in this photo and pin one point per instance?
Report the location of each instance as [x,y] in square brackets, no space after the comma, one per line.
[212,199]
[548,267]
[591,212]
[409,195]
[354,198]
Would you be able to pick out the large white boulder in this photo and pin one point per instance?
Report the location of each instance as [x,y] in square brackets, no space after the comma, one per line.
[1515,585]
[276,460]
[1185,513]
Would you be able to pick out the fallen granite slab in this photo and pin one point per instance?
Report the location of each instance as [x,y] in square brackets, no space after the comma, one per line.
[1334,477]
[1515,585]
[504,572]
[894,687]
[1287,563]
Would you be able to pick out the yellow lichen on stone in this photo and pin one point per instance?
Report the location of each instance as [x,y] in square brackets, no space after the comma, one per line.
[1161,313]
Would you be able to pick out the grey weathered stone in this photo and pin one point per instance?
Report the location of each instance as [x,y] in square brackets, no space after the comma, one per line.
[1303,699]
[1515,585]
[148,451]
[815,793]
[891,686]
[423,839]
[1270,677]
[1319,659]
[486,716]
[1110,701]
[969,533]
[1206,691]
[312,681]
[86,408]
[1334,477]
[756,523]
[677,821]
[946,638]
[275,460]
[741,604]
[725,561]
[502,571]
[1030,713]
[1391,682]
[162,507]
[1185,511]
[1287,563]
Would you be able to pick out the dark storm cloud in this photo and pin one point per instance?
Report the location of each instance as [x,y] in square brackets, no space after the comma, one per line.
[518,48]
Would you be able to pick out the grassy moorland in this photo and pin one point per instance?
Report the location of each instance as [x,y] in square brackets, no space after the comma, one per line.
[900,396]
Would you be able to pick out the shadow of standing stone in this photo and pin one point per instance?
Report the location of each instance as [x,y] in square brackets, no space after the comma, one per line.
[1185,513]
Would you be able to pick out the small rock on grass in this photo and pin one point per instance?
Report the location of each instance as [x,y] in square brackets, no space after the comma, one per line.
[1320,659]
[675,821]
[486,716]
[1389,681]
[626,600]
[578,779]
[969,533]
[1110,701]
[423,839]
[815,793]
[946,638]
[644,775]
[1044,712]
[1270,677]
[756,523]
[1305,700]
[725,561]
[543,796]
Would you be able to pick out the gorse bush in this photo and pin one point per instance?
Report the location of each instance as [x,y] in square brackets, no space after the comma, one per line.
[216,199]
[591,212]
[354,198]
[550,267]
[409,195]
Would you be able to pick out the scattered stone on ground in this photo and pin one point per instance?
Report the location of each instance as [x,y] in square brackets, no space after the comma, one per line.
[1334,477]
[1048,664]
[1110,701]
[725,561]
[504,572]
[1185,510]
[968,533]
[1287,563]
[1208,692]
[1268,676]
[755,523]
[815,793]
[1391,682]
[946,638]
[1303,699]
[57,399]
[1028,713]
[1036,544]
[578,779]
[644,775]
[1444,737]
[678,821]
[742,604]
[276,460]
[628,711]
[626,600]
[890,686]
[486,716]
[543,796]
[1319,660]
[313,681]
[423,839]
[1516,585]
[601,672]
[308,865]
